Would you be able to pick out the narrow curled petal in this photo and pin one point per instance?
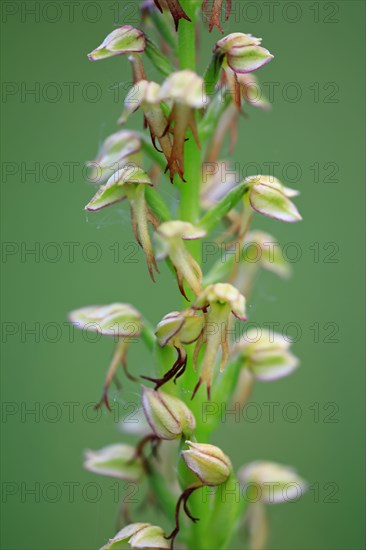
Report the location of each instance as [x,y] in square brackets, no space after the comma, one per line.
[123,40]
[115,461]
[175,9]
[111,320]
[139,535]
[214,16]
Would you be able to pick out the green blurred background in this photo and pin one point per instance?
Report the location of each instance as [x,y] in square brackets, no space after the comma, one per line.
[315,135]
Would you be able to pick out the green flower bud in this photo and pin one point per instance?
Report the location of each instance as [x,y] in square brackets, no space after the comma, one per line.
[118,461]
[169,237]
[209,463]
[268,253]
[268,196]
[120,320]
[176,328]
[139,535]
[168,417]
[117,150]
[124,40]
[276,483]
[243,53]
[266,355]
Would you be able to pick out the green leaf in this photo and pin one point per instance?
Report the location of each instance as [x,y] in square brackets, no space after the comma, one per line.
[219,211]
[209,122]
[212,72]
[157,204]
[159,60]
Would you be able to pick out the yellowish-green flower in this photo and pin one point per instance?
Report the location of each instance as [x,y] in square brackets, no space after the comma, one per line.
[170,237]
[220,300]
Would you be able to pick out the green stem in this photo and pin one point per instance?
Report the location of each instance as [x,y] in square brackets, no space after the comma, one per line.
[147,335]
[187,37]
[189,192]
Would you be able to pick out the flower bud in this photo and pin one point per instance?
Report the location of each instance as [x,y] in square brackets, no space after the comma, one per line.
[119,149]
[267,355]
[123,40]
[208,462]
[275,483]
[176,328]
[139,535]
[268,196]
[169,237]
[267,251]
[118,461]
[120,320]
[243,53]
[168,417]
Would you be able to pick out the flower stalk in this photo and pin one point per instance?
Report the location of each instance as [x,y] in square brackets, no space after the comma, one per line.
[188,118]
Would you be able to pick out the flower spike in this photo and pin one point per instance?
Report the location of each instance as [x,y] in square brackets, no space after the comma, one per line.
[220,300]
[170,236]
[129,182]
